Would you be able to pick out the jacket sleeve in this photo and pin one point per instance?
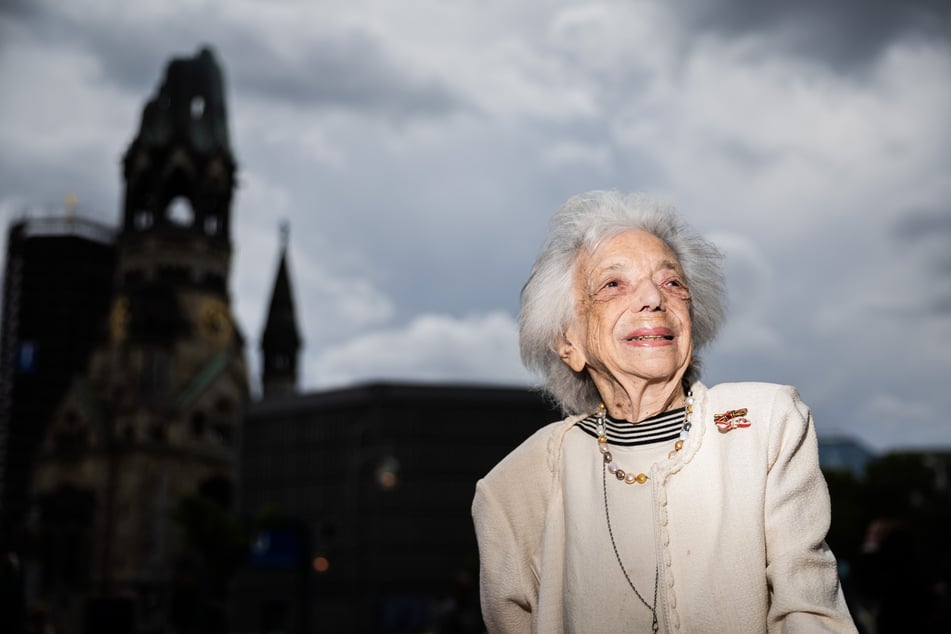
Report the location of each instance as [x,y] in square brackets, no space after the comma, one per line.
[509,515]
[805,595]
[507,599]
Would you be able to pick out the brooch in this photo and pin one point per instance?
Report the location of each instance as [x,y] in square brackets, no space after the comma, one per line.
[731,419]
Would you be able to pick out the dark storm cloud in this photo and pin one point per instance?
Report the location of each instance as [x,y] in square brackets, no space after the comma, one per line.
[942,306]
[346,68]
[41,188]
[917,225]
[933,226]
[844,34]
[17,8]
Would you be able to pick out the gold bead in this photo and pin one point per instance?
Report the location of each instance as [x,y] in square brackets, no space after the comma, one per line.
[641,478]
[678,445]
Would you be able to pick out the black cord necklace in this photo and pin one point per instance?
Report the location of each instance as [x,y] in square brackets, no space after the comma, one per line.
[630,478]
[607,514]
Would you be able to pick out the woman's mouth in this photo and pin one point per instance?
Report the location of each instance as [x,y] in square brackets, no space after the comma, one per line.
[650,335]
[651,338]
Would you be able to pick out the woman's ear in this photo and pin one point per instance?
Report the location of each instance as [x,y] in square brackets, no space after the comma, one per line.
[571,354]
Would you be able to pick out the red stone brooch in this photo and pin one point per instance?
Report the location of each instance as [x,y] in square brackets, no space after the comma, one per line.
[731,419]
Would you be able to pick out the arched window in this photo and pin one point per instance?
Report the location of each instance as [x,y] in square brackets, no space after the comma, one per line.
[180,212]
[197,107]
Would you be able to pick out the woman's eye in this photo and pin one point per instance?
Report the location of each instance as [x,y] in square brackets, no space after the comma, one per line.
[676,286]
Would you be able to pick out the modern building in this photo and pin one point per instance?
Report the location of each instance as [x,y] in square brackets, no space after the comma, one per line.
[362,500]
[56,289]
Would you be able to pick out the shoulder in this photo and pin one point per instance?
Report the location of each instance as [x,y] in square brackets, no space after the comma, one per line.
[770,399]
[512,500]
[751,388]
[775,411]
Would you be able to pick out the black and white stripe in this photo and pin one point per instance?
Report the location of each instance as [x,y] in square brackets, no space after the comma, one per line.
[663,427]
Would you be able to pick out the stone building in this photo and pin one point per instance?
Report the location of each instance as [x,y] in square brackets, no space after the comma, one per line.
[154,417]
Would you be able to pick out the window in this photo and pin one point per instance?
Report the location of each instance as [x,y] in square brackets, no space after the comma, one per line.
[197,107]
[180,212]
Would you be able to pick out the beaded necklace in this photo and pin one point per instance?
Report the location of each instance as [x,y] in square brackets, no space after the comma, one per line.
[605,449]
[608,464]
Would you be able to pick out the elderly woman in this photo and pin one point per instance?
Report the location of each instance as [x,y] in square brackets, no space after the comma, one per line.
[659,504]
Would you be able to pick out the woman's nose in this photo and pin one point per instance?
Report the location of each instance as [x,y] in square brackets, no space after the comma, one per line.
[647,297]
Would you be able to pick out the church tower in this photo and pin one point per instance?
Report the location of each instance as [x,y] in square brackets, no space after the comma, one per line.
[281,341]
[154,419]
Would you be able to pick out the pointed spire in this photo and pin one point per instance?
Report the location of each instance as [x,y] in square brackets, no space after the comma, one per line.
[281,340]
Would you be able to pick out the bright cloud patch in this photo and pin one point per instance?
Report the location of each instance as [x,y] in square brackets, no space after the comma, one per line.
[439,348]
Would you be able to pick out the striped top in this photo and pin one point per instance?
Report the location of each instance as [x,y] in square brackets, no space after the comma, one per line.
[659,428]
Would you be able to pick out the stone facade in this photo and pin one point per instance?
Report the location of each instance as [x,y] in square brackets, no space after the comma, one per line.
[155,418]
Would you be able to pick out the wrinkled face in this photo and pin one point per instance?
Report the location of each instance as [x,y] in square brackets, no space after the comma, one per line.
[632,312]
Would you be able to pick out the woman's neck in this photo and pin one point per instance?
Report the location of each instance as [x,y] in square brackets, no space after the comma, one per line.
[636,402]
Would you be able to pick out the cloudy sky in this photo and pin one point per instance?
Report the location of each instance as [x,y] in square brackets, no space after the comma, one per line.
[418,148]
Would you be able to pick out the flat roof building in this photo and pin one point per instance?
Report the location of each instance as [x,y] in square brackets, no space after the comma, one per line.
[363,498]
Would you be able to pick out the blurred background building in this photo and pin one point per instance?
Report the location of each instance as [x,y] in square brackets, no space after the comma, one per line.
[362,497]
[126,373]
[57,287]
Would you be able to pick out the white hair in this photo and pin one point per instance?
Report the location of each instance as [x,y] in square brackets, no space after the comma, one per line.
[548,299]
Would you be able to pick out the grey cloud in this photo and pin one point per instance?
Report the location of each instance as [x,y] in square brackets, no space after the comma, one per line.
[42,187]
[744,153]
[130,55]
[18,8]
[917,225]
[345,68]
[928,226]
[348,69]
[845,34]
[942,306]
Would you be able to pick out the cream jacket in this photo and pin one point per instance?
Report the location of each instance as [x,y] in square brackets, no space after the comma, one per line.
[739,517]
